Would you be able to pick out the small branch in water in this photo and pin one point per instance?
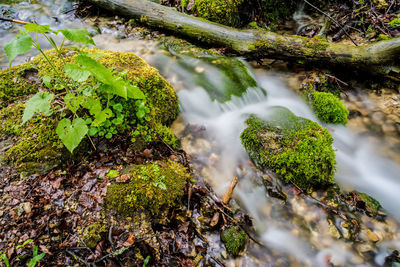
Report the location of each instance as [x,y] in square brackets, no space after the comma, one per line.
[229,191]
[15,21]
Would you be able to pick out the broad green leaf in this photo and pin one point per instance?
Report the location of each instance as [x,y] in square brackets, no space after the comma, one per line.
[118,107]
[18,46]
[5,259]
[78,36]
[46,80]
[35,250]
[102,117]
[140,113]
[71,134]
[117,121]
[101,73]
[112,174]
[76,73]
[35,260]
[33,27]
[134,92]
[92,131]
[93,105]
[114,85]
[73,102]
[39,103]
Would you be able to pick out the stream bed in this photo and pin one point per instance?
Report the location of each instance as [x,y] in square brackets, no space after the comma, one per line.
[295,232]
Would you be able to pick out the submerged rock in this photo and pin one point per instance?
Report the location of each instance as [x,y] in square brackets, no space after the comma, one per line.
[35,146]
[297,149]
[222,77]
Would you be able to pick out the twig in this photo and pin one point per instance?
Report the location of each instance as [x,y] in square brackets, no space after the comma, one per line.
[79,258]
[14,20]
[110,237]
[229,191]
[218,261]
[345,32]
[336,79]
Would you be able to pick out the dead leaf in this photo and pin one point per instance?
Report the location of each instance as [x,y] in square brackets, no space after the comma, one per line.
[129,241]
[123,178]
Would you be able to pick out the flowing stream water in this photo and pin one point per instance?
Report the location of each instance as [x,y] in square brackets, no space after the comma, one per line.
[219,156]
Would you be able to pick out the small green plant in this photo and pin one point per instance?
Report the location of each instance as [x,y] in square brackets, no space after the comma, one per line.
[35,256]
[146,261]
[91,99]
[112,174]
[151,187]
[4,258]
[395,23]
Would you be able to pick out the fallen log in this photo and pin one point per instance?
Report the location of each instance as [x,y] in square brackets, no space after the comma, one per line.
[381,58]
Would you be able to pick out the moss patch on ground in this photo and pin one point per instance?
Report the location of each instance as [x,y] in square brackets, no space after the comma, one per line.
[93,234]
[36,146]
[234,240]
[297,149]
[150,188]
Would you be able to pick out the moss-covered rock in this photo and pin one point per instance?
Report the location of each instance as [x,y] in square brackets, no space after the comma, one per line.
[329,108]
[221,76]
[93,234]
[370,204]
[234,240]
[36,146]
[297,149]
[150,188]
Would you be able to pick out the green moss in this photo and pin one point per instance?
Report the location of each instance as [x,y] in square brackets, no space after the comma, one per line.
[317,44]
[221,11]
[150,188]
[329,108]
[93,234]
[372,206]
[15,83]
[297,149]
[37,148]
[222,77]
[234,239]
[184,3]
[395,23]
[383,37]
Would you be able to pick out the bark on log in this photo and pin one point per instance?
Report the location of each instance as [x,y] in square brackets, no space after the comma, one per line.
[380,58]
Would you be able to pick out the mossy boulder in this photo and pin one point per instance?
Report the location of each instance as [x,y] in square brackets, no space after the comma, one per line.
[221,11]
[328,107]
[222,77]
[297,149]
[151,187]
[36,146]
[93,234]
[234,239]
